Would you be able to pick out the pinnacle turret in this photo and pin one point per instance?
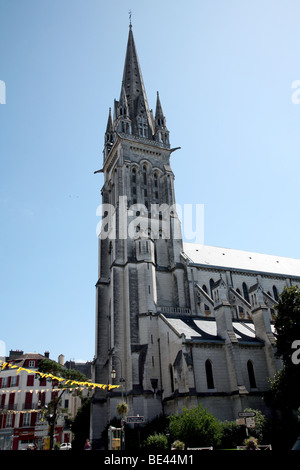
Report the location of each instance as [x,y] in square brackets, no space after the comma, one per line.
[131,114]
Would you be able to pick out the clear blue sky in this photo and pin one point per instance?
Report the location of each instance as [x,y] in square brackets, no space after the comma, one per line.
[224,70]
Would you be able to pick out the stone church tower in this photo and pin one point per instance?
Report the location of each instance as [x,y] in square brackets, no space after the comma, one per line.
[179,323]
[140,249]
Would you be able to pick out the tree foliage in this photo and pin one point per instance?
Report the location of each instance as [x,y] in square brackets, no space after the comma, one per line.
[285,385]
[155,442]
[196,427]
[53,407]
[81,425]
[52,367]
[287,322]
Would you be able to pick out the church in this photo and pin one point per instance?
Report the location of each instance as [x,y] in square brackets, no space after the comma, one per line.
[177,324]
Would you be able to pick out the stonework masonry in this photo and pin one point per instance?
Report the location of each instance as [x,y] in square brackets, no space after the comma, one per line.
[181,324]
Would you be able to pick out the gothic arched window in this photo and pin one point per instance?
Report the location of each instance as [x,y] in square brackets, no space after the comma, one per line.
[171,377]
[133,186]
[251,374]
[275,293]
[145,185]
[145,174]
[211,285]
[155,178]
[209,374]
[142,126]
[245,291]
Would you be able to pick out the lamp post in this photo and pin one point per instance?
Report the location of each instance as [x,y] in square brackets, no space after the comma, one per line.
[121,380]
[114,374]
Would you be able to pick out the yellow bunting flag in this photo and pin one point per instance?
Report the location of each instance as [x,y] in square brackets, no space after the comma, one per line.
[59,379]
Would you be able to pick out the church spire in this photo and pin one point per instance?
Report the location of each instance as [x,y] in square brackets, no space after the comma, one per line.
[161,131]
[133,85]
[160,120]
[109,135]
[109,127]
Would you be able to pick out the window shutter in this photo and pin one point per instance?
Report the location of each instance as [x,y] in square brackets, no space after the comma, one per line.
[30,380]
[3,400]
[33,419]
[21,420]
[42,398]
[28,400]
[18,378]
[11,400]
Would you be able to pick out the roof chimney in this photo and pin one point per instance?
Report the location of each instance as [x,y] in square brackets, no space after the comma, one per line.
[61,360]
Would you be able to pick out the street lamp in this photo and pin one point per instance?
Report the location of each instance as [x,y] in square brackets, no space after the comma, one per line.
[113,374]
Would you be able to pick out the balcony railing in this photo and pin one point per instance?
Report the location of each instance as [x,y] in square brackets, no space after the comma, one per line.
[32,406]
[8,407]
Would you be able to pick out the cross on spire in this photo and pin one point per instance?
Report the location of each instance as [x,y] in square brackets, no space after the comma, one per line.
[130,25]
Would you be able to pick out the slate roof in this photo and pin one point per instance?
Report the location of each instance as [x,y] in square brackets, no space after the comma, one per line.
[20,361]
[210,256]
[205,330]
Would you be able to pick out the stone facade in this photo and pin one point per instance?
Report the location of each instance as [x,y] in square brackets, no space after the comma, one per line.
[180,324]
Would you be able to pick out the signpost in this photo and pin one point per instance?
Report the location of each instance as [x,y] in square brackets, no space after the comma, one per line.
[246,418]
[135,419]
[247,414]
[250,422]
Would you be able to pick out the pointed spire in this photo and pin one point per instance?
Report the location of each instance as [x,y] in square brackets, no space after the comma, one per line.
[134,88]
[109,127]
[109,136]
[160,120]
[123,103]
[161,131]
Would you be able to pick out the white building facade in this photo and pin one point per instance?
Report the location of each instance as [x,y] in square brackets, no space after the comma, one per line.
[23,397]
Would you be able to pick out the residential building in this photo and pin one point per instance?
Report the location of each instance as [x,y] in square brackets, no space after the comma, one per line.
[23,397]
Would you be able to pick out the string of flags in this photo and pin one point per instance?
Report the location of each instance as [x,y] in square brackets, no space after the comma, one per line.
[47,375]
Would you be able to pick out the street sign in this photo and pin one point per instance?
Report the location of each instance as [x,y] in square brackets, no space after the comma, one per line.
[135,419]
[250,422]
[247,414]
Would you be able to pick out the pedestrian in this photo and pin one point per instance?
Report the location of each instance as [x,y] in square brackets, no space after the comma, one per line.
[87,445]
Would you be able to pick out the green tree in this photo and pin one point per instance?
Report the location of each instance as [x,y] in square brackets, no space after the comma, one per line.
[81,425]
[285,385]
[261,425]
[233,434]
[287,322]
[155,442]
[52,408]
[196,427]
